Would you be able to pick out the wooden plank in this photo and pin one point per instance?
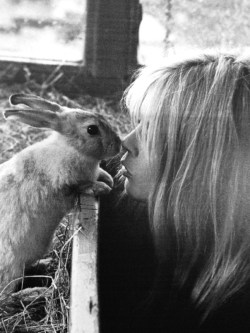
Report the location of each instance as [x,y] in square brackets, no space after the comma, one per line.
[111,43]
[112,37]
[84,298]
[40,62]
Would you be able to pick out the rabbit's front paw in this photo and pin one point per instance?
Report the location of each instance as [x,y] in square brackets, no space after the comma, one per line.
[94,188]
[105,177]
[100,188]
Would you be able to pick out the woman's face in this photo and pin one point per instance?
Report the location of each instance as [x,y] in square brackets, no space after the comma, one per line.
[136,168]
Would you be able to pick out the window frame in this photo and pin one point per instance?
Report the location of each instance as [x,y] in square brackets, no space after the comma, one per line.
[110,51]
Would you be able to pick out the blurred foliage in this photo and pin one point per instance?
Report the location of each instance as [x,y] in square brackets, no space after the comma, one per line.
[43,29]
[66,21]
[210,23]
[188,23]
[155,8]
[204,23]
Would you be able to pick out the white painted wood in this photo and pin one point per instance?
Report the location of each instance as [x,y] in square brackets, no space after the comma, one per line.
[84,297]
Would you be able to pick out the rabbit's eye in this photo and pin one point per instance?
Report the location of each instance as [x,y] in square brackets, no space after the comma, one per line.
[93,130]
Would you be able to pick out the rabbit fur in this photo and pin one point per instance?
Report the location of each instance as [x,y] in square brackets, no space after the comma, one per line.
[36,183]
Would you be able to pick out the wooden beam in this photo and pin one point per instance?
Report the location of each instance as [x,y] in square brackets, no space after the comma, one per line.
[84,297]
[111,41]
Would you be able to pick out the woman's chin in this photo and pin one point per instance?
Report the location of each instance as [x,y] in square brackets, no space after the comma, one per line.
[134,191]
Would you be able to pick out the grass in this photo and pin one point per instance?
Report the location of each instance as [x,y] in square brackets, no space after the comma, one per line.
[45,307]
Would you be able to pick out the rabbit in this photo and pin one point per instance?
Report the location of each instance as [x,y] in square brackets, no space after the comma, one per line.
[37,184]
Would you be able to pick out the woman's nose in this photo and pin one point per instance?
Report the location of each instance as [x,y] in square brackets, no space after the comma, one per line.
[130,144]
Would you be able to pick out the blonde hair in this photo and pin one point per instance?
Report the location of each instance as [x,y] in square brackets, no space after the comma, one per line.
[195,123]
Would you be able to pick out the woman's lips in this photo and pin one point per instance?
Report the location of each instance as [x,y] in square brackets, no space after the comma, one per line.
[126,173]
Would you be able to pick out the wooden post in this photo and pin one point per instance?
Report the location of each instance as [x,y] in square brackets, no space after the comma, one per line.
[111,41]
[84,297]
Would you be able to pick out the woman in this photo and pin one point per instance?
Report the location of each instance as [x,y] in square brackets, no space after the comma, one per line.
[188,159]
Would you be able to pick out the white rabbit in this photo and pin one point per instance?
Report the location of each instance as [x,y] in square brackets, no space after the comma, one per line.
[36,183]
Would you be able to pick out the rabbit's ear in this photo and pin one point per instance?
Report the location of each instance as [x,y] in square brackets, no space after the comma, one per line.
[44,119]
[34,102]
